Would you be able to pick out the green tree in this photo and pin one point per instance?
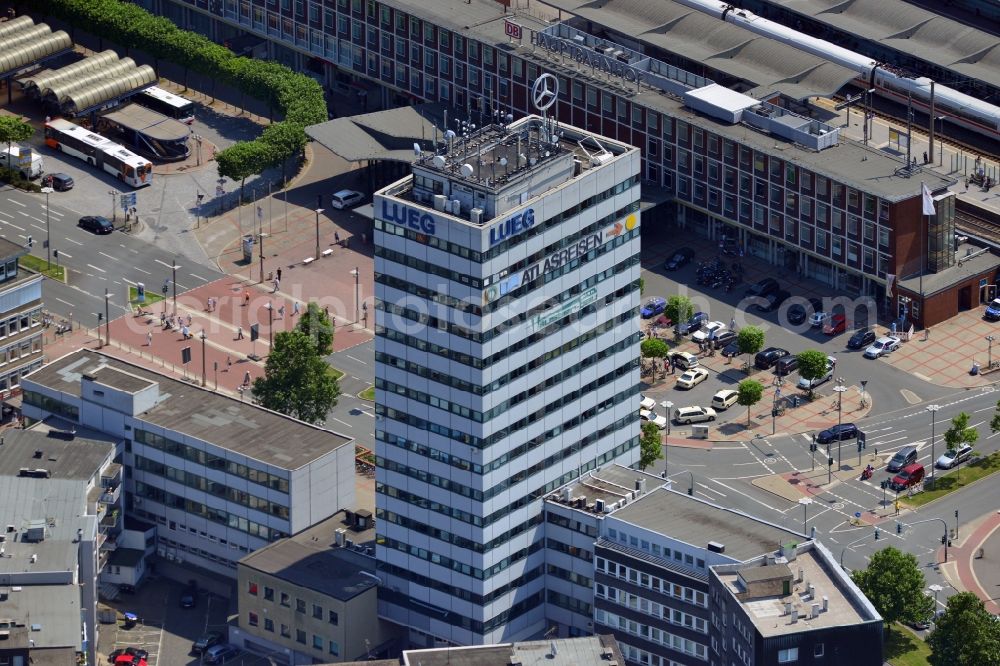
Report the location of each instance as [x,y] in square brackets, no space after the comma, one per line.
[748,393]
[296,381]
[679,308]
[958,434]
[650,444]
[995,421]
[13,129]
[286,141]
[242,160]
[654,348]
[894,583]
[750,340]
[812,365]
[966,634]
[315,323]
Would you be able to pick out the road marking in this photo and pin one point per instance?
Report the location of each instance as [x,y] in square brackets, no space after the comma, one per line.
[37,219]
[108,256]
[56,213]
[198,277]
[20,212]
[163,263]
[371,414]
[343,422]
[16,202]
[11,224]
[64,302]
[37,227]
[6,214]
[750,497]
[136,268]
[73,241]
[716,492]
[96,268]
[67,255]
[356,359]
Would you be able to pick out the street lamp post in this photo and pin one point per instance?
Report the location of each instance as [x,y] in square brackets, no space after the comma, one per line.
[935,588]
[318,211]
[114,211]
[203,364]
[839,388]
[933,410]
[667,406]
[100,341]
[174,267]
[357,293]
[107,318]
[270,327]
[989,351]
[774,404]
[48,235]
[805,502]
[940,119]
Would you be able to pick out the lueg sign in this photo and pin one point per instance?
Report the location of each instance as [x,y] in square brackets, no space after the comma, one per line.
[405,216]
[512,226]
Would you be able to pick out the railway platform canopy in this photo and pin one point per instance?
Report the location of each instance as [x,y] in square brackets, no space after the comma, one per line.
[912,32]
[720,49]
[23,44]
[149,132]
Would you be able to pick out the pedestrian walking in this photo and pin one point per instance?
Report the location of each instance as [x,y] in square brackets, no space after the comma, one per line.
[281,311]
[229,362]
[276,283]
[927,333]
[732,324]
[278,272]
[966,184]
[336,238]
[295,308]
[326,311]
[239,332]
[189,320]
[149,338]
[246,297]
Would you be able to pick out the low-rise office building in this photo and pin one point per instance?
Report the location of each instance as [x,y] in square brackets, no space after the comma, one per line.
[585,651]
[61,507]
[21,323]
[313,596]
[219,477]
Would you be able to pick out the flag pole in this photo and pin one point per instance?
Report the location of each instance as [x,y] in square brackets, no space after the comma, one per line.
[923,236]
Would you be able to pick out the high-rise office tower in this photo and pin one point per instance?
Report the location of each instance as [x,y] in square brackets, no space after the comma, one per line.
[507,363]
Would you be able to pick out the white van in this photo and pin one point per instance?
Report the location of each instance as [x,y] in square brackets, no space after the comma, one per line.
[30,166]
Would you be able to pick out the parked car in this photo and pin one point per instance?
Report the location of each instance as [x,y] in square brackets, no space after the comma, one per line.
[796,314]
[884,345]
[724,399]
[908,477]
[763,288]
[772,301]
[765,359]
[818,318]
[219,654]
[837,432]
[724,338]
[189,597]
[206,641]
[786,365]
[679,260]
[861,339]
[96,224]
[692,378]
[645,402]
[134,653]
[346,199]
[953,457]
[810,384]
[692,324]
[684,415]
[706,331]
[732,349]
[128,660]
[992,310]
[60,182]
[653,307]
[684,360]
[650,416]
[835,324]
[905,456]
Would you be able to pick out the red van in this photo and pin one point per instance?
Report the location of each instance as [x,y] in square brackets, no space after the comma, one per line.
[908,477]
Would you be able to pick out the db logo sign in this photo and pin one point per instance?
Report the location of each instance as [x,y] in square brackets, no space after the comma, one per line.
[512,30]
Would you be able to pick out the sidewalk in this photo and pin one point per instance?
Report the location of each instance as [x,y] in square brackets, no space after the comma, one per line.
[965,571]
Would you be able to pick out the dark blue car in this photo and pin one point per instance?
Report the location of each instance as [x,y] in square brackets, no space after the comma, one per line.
[653,307]
[692,324]
[992,310]
[838,432]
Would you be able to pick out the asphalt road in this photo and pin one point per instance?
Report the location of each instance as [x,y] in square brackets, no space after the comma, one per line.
[353,416]
[94,263]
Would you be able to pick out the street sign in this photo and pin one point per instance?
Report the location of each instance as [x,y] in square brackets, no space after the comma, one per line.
[186,355]
[140,292]
[862,440]
[127,201]
[512,30]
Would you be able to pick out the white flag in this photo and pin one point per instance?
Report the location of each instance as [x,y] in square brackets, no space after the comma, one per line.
[928,200]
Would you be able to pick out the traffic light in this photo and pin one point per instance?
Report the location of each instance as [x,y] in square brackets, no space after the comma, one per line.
[899,527]
[829,462]
[860,445]
[884,484]
[55,253]
[944,540]
[140,290]
[877,533]
[31,241]
[813,447]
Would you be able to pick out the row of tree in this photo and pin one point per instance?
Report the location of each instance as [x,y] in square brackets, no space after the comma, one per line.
[298,97]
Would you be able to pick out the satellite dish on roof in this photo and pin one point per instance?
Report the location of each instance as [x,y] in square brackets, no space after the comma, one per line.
[503,161]
[416,149]
[467,170]
[510,117]
[439,161]
[449,135]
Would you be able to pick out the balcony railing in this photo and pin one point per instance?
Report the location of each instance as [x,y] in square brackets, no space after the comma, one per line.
[110,495]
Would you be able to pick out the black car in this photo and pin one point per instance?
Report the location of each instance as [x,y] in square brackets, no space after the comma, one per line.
[679,260]
[772,301]
[767,358]
[731,350]
[796,314]
[60,182]
[786,365]
[861,339]
[96,224]
[692,324]
[763,288]
[189,597]
[837,432]
[724,338]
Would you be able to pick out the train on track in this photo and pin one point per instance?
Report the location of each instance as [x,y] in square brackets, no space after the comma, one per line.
[957,107]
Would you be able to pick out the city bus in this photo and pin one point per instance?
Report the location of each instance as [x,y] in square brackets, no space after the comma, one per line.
[169,104]
[98,151]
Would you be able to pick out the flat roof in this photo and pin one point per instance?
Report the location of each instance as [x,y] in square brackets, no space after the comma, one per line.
[247,429]
[697,522]
[911,30]
[611,484]
[982,260]
[585,651]
[149,123]
[78,458]
[723,97]
[312,559]
[845,603]
[10,249]
[54,608]
[381,135]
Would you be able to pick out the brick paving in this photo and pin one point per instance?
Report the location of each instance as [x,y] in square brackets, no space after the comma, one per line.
[965,571]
